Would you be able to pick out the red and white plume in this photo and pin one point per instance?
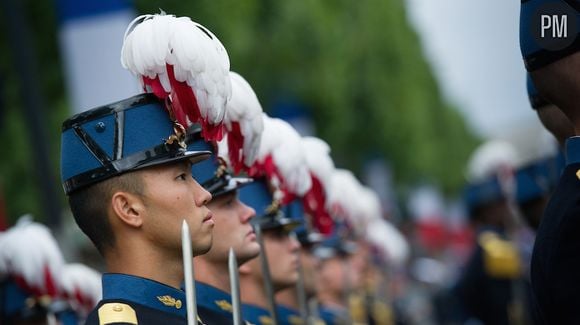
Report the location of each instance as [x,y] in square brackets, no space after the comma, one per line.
[281,160]
[82,287]
[343,194]
[30,255]
[180,60]
[378,231]
[321,167]
[389,240]
[244,124]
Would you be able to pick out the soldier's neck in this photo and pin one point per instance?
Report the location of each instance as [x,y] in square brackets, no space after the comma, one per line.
[330,299]
[288,297]
[252,291]
[213,274]
[147,263]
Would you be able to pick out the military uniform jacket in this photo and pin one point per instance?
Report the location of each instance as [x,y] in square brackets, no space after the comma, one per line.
[256,315]
[213,303]
[555,270]
[288,316]
[129,300]
[333,316]
[484,290]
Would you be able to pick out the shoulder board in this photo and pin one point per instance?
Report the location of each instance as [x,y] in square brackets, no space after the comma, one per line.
[382,313]
[116,312]
[266,320]
[357,308]
[295,320]
[500,256]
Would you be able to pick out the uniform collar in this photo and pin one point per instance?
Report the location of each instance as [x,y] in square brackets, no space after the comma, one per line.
[289,315]
[144,291]
[256,315]
[213,298]
[573,150]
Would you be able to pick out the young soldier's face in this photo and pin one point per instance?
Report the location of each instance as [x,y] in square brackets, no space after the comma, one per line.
[232,229]
[282,251]
[309,262]
[170,196]
[333,274]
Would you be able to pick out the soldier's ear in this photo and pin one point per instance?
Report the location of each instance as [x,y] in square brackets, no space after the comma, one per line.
[128,208]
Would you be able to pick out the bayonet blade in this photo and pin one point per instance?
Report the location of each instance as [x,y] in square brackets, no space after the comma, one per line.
[188,274]
[267,276]
[235,287]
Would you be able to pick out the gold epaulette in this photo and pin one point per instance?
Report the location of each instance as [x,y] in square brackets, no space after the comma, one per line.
[382,313]
[500,256]
[266,320]
[295,320]
[356,304]
[115,312]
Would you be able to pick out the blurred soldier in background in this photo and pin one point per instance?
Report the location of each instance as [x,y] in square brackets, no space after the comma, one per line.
[487,290]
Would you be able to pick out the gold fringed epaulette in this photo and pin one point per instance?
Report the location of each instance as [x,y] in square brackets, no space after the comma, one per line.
[500,256]
[116,312]
[266,320]
[357,308]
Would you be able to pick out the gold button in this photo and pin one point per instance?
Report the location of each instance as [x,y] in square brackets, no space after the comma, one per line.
[578,174]
[178,304]
[118,308]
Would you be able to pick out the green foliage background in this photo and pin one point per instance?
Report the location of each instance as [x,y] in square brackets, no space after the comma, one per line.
[356,65]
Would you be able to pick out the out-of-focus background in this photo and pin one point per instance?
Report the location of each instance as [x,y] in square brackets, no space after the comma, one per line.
[402,90]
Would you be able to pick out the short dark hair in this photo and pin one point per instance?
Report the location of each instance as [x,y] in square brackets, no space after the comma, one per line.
[89,207]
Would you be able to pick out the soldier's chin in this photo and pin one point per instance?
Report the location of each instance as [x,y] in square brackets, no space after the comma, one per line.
[201,247]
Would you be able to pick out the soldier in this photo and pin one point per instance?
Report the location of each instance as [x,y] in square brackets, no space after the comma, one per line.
[551,117]
[553,65]
[291,310]
[127,172]
[484,290]
[280,174]
[333,278]
[232,217]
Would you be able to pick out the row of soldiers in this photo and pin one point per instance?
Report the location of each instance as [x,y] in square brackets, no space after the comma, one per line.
[278,234]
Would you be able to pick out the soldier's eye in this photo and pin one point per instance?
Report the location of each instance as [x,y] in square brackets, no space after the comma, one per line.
[182,177]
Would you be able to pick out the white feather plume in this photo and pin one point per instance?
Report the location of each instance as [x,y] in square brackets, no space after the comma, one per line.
[344,191]
[27,250]
[318,159]
[389,240]
[79,279]
[490,158]
[281,141]
[244,108]
[197,57]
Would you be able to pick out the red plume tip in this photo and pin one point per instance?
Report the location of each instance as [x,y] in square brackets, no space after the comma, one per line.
[235,144]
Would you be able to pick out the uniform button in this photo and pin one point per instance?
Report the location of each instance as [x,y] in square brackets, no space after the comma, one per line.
[118,308]
[100,127]
[178,304]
